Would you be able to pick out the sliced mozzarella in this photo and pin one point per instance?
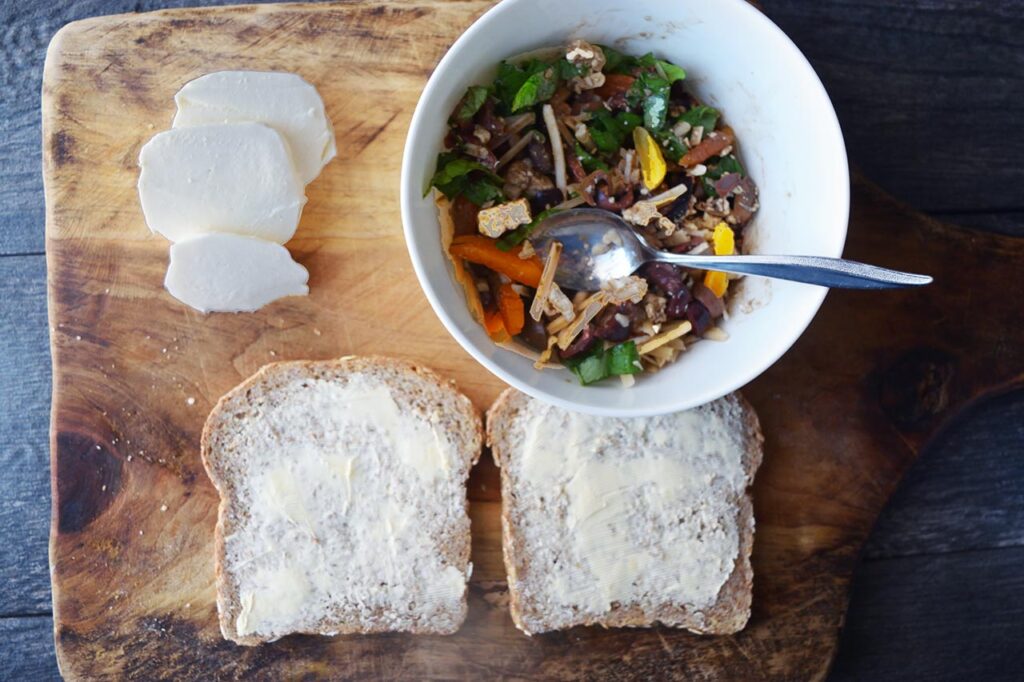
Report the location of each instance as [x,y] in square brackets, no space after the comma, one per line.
[231,273]
[283,101]
[234,178]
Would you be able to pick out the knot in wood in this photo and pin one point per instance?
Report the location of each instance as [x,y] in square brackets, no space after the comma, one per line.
[915,388]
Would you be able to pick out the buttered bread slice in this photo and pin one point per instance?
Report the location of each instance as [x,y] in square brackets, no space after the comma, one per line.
[626,522]
[343,500]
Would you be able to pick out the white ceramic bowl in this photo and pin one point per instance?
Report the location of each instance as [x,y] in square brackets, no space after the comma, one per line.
[789,140]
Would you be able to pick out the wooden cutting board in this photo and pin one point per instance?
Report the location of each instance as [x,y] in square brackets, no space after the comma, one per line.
[135,372]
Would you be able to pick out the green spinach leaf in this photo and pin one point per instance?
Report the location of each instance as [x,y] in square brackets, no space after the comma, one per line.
[599,363]
[623,359]
[456,175]
[672,72]
[589,162]
[703,116]
[539,87]
[671,145]
[471,102]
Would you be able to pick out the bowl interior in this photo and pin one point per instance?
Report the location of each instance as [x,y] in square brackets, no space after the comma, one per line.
[788,140]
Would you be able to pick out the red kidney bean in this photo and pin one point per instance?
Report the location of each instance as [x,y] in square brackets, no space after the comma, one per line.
[485,117]
[714,305]
[699,317]
[540,154]
[607,325]
[534,334]
[584,342]
[678,209]
[542,199]
[665,276]
[727,183]
[675,309]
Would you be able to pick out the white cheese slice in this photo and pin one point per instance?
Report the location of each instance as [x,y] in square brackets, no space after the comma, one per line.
[235,178]
[232,273]
[283,101]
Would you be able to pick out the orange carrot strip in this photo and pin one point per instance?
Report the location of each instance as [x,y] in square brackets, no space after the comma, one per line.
[484,251]
[495,326]
[709,146]
[615,83]
[513,313]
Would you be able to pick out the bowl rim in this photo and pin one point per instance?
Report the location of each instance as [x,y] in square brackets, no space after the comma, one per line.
[694,399]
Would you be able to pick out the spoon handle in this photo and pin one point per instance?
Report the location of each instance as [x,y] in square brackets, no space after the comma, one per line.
[827,272]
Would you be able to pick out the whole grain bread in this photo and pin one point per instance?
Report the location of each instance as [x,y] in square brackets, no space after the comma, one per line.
[552,585]
[343,499]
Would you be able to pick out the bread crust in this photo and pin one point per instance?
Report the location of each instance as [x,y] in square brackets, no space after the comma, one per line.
[731,610]
[465,419]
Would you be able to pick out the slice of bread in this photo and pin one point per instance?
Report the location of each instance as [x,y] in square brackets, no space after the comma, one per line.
[343,500]
[626,522]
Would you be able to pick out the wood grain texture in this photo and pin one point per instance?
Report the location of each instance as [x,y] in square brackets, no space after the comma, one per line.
[923,90]
[27,29]
[24,415]
[968,493]
[905,631]
[845,412]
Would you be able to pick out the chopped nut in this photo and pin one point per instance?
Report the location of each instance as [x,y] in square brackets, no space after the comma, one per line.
[654,306]
[622,289]
[582,133]
[643,212]
[526,250]
[681,129]
[696,135]
[496,221]
[582,53]
[482,134]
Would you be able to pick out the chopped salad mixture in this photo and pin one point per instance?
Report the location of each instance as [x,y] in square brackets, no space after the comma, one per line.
[590,126]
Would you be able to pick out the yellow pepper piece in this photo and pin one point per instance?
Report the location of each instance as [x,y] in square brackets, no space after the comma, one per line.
[724,240]
[717,282]
[652,163]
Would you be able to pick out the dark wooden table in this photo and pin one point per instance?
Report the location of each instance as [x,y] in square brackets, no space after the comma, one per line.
[930,94]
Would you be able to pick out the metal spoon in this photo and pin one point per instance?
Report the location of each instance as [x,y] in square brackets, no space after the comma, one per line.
[598,246]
